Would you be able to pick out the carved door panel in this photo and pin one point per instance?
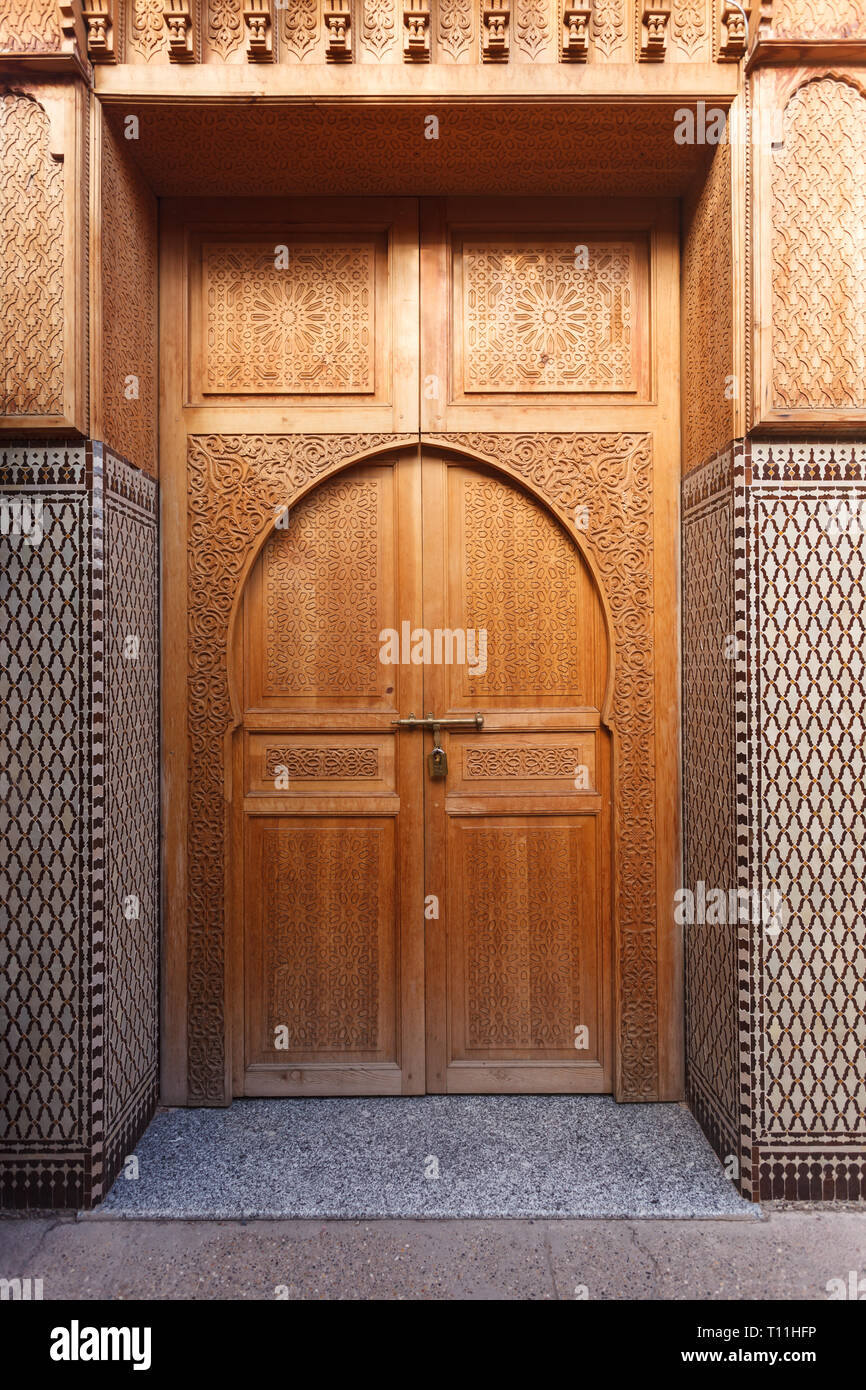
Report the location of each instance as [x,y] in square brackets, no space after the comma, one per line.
[518,834]
[331,834]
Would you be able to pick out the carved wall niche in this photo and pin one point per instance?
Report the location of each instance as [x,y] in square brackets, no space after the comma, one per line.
[125,350]
[810,246]
[43,173]
[234,484]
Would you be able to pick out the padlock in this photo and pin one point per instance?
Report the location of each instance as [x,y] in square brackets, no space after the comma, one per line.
[437,763]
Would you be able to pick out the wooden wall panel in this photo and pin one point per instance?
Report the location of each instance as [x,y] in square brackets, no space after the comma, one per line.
[709,384]
[809,197]
[125,346]
[43,193]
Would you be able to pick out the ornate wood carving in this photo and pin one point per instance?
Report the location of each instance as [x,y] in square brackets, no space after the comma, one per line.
[688,26]
[599,471]
[817,250]
[533,28]
[301,26]
[574,32]
[260,34]
[328,560]
[225,26]
[235,483]
[708,340]
[495,32]
[522,970]
[536,318]
[147,31]
[178,22]
[734,34]
[31,26]
[378,25]
[416,31]
[455,26]
[99,25]
[315,764]
[321,942]
[494,763]
[338,27]
[819,19]
[307,328]
[652,30]
[31,222]
[503,532]
[129,342]
[608,25]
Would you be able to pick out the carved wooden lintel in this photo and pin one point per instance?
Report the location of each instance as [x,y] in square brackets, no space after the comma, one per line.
[495,36]
[99,25]
[260,31]
[338,31]
[416,31]
[575,32]
[181,40]
[734,36]
[654,19]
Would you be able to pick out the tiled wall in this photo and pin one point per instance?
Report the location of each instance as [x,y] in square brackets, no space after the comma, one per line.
[774,556]
[79,881]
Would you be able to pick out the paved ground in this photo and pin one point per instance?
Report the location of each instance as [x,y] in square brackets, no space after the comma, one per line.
[431,1156]
[785,1255]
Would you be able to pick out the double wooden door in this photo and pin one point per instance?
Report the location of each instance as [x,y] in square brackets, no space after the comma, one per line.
[422,912]
[419,467]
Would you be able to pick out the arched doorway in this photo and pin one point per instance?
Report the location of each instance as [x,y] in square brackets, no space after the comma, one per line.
[410,920]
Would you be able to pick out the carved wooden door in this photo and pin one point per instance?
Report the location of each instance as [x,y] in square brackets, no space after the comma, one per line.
[469,408]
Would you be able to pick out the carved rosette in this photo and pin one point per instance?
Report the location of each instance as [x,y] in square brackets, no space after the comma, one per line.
[235,483]
[611,474]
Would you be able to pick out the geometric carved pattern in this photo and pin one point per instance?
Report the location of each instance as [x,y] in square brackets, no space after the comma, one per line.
[611,474]
[708,423]
[132,792]
[327,558]
[235,482]
[709,798]
[522,953]
[809,807]
[495,763]
[535,320]
[791,519]
[819,19]
[308,327]
[44,821]
[531,647]
[321,915]
[129,340]
[313,763]
[30,26]
[31,226]
[79,822]
[197,148]
[818,250]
